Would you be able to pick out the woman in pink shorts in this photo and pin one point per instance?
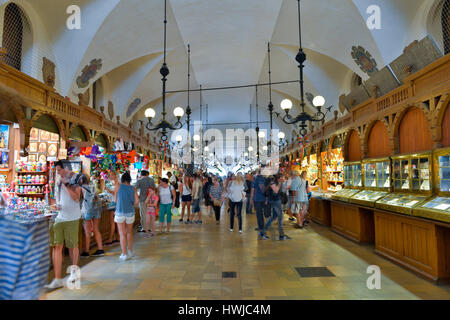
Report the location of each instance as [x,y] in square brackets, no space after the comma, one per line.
[152,203]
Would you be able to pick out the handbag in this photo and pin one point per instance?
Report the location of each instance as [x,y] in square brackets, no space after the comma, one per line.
[217,203]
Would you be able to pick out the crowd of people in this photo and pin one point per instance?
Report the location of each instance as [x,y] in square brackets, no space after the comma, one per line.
[269,197]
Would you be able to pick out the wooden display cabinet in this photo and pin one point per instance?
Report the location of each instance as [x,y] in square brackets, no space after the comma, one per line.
[352,182]
[438,208]
[320,211]
[377,174]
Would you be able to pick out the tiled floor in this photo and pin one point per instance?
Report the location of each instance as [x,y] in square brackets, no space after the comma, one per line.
[188,264]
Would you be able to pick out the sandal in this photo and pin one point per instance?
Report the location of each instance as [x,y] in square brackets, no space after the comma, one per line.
[296,226]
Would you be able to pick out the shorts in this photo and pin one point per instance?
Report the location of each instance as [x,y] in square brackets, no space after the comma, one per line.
[65,232]
[196,205]
[208,202]
[122,219]
[93,214]
[298,206]
[165,209]
[151,211]
[187,198]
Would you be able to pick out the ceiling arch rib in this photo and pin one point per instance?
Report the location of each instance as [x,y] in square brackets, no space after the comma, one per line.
[70,46]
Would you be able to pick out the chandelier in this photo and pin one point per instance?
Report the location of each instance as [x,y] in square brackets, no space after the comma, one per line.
[178,112]
[318,101]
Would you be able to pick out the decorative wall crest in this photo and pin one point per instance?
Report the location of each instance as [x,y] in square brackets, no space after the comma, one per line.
[89,72]
[48,72]
[133,106]
[364,60]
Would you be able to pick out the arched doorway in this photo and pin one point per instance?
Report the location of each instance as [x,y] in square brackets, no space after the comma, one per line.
[102,141]
[78,134]
[353,150]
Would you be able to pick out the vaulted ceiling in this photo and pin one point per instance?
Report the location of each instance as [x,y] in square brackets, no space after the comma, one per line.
[228,40]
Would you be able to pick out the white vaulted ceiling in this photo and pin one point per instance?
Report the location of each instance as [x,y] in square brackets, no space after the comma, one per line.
[228,40]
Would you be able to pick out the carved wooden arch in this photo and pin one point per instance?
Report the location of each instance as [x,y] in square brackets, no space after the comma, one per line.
[365,137]
[393,135]
[438,117]
[346,140]
[59,123]
[108,144]
[86,132]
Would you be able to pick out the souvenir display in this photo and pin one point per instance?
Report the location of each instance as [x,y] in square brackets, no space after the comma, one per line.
[52,150]
[34,134]
[42,147]
[33,147]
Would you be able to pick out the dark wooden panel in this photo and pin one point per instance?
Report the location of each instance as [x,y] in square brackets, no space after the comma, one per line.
[378,142]
[414,134]
[352,222]
[446,128]
[320,211]
[354,147]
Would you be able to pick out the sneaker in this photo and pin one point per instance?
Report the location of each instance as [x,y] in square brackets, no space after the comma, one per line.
[264,237]
[285,237]
[257,229]
[130,254]
[85,254]
[188,222]
[240,231]
[181,220]
[55,284]
[123,257]
[291,219]
[217,222]
[98,253]
[231,230]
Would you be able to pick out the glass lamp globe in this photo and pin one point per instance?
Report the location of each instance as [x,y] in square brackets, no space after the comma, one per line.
[206,148]
[286,104]
[261,134]
[319,101]
[246,154]
[281,135]
[179,138]
[178,112]
[250,149]
[196,137]
[265,148]
[150,113]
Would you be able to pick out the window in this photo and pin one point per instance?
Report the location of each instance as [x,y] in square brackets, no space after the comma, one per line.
[446,26]
[17,37]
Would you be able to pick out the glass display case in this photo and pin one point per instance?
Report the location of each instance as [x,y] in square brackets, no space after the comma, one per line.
[344,194]
[353,175]
[367,197]
[401,202]
[438,208]
[377,174]
[412,173]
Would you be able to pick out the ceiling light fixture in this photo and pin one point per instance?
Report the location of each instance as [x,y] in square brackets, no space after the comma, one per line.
[319,101]
[150,113]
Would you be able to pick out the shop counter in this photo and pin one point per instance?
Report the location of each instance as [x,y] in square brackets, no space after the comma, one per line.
[319,208]
[418,244]
[354,222]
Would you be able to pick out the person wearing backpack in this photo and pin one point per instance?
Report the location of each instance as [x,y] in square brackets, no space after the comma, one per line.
[91,212]
[166,194]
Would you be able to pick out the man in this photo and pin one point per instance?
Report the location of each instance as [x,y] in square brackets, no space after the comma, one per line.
[172,178]
[290,196]
[142,186]
[66,226]
[248,191]
[196,196]
[258,199]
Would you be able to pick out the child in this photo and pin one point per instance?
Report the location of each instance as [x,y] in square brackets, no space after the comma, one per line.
[152,202]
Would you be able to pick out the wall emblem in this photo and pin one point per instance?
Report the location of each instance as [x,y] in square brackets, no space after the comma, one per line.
[48,72]
[89,72]
[364,60]
[110,110]
[133,106]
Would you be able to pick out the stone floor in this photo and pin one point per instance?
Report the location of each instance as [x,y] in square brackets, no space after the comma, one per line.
[188,264]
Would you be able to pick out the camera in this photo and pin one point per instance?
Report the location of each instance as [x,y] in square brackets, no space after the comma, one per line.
[77,179]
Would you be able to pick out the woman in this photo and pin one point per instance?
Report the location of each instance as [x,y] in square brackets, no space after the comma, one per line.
[166,194]
[126,198]
[151,203]
[236,188]
[91,211]
[186,198]
[215,193]
[196,195]
[301,199]
[206,195]
[112,208]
